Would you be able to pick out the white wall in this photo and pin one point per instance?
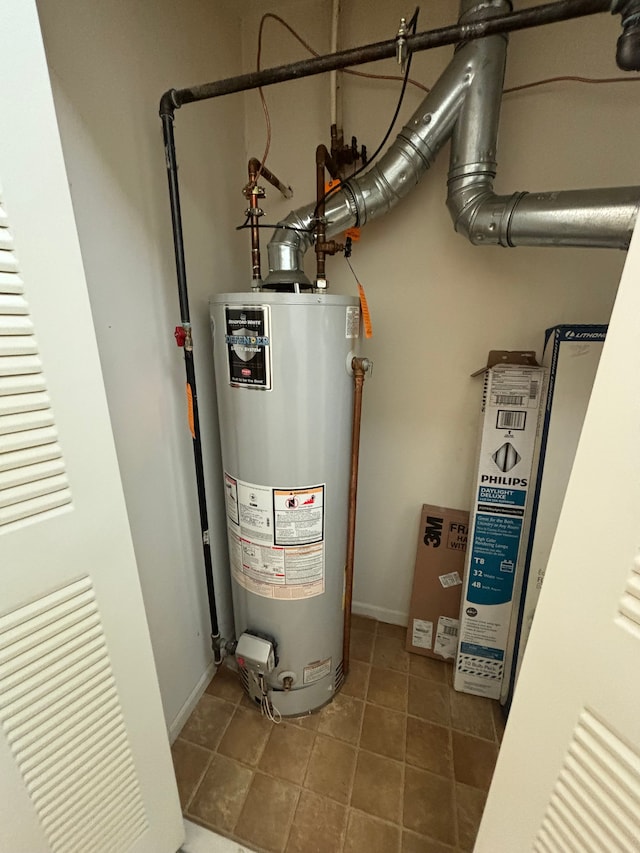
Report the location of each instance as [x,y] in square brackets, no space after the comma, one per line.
[439,304]
[110,62]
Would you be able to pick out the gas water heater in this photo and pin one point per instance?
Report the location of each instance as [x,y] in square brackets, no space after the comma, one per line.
[285,396]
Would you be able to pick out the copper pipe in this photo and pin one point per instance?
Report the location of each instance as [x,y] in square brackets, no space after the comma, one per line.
[359,366]
[324,160]
[262,171]
[253,194]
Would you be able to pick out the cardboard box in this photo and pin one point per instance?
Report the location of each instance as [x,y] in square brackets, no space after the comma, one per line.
[571,355]
[510,409]
[437,582]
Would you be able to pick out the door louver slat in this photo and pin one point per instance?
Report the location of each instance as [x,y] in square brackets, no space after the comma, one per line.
[64,723]
[21,384]
[15,324]
[629,605]
[10,282]
[33,480]
[595,805]
[12,404]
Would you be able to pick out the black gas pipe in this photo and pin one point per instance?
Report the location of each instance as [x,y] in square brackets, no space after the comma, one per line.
[184,339]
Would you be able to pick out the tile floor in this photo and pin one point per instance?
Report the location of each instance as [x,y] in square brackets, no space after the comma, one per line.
[399,762]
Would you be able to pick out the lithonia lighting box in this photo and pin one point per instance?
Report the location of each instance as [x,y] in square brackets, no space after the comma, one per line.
[437,582]
[510,415]
[571,355]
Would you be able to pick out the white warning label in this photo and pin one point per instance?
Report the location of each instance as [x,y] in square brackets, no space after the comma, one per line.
[277,572]
[352,326]
[298,515]
[255,505]
[290,569]
[231,498]
[235,550]
[316,671]
[262,562]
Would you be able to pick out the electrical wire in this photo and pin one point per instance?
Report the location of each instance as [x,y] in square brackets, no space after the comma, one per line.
[507,91]
[351,71]
[352,270]
[411,25]
[307,46]
[570,79]
[265,703]
[265,109]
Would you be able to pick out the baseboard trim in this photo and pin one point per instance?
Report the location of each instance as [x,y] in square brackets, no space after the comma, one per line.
[382,614]
[185,712]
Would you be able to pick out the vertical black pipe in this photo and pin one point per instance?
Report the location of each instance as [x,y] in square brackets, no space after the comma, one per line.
[183,296]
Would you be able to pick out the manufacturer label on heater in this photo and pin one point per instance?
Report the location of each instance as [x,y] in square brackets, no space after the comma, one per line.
[316,671]
[352,327]
[247,336]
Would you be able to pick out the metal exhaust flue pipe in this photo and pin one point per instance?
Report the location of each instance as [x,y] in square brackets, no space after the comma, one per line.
[464,105]
[394,176]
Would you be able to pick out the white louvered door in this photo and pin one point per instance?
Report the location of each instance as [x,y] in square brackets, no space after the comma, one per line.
[568,774]
[84,758]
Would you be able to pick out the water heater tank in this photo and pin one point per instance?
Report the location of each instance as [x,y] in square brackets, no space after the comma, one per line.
[285,396]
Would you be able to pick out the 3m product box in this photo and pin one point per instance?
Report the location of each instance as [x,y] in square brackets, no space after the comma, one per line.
[437,582]
[571,355]
[511,409]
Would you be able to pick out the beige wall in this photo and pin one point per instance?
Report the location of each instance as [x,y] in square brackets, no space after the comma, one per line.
[438,303]
[109,63]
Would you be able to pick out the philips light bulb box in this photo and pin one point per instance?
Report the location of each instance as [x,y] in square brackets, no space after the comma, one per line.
[571,355]
[510,420]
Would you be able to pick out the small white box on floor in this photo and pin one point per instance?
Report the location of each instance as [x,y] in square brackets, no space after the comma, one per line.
[571,355]
[511,408]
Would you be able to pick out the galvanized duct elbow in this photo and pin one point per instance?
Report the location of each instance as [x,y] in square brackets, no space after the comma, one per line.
[594,218]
